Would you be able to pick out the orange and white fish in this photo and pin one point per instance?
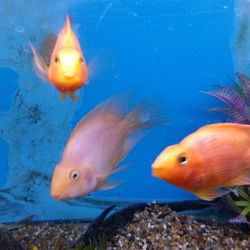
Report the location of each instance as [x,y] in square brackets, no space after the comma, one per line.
[67,69]
[96,146]
[206,162]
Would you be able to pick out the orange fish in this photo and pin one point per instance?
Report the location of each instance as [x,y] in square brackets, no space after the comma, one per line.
[206,162]
[67,69]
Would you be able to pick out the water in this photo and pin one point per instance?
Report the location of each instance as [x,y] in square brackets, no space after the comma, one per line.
[170,50]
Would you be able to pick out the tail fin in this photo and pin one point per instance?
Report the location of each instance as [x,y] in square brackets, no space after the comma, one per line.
[146,114]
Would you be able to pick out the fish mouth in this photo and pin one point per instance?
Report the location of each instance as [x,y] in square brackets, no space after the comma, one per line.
[69,75]
[157,171]
[57,196]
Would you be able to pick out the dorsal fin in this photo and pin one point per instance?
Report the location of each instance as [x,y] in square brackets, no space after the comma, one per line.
[113,107]
[67,25]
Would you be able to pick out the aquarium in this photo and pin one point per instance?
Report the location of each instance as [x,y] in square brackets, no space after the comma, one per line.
[165,50]
[173,52]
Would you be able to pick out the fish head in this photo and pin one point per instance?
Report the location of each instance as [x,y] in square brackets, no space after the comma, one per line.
[178,165]
[72,182]
[68,69]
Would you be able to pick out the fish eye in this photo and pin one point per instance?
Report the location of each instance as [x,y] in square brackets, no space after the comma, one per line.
[74,175]
[81,60]
[182,160]
[57,60]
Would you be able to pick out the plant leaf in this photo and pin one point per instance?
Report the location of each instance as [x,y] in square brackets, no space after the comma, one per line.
[245,211]
[245,196]
[234,114]
[239,219]
[245,84]
[242,203]
[239,89]
[229,96]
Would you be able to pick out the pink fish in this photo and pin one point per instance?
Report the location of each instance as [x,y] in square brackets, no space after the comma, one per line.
[98,143]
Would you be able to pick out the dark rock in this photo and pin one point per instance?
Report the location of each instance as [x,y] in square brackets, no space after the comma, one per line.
[7,242]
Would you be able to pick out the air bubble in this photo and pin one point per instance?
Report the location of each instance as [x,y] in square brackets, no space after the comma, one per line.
[19,29]
[171,27]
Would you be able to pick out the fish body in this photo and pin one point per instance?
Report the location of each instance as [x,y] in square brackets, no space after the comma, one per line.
[96,146]
[67,69]
[212,158]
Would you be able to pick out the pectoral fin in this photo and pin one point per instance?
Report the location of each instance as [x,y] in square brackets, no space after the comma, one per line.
[103,184]
[40,65]
[119,169]
[73,96]
[108,185]
[62,96]
[211,194]
[244,179]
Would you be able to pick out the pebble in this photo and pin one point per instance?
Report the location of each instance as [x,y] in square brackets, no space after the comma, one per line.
[175,231]
[49,235]
[155,227]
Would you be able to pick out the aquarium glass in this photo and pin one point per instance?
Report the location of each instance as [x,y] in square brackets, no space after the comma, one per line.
[168,49]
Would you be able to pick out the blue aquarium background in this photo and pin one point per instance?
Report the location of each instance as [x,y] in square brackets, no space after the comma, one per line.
[170,50]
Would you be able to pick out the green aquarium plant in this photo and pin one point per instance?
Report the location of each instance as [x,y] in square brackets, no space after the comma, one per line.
[237,101]
[244,202]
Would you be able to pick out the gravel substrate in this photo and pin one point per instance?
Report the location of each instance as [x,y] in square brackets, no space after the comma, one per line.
[158,227]
[137,227]
[49,235]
